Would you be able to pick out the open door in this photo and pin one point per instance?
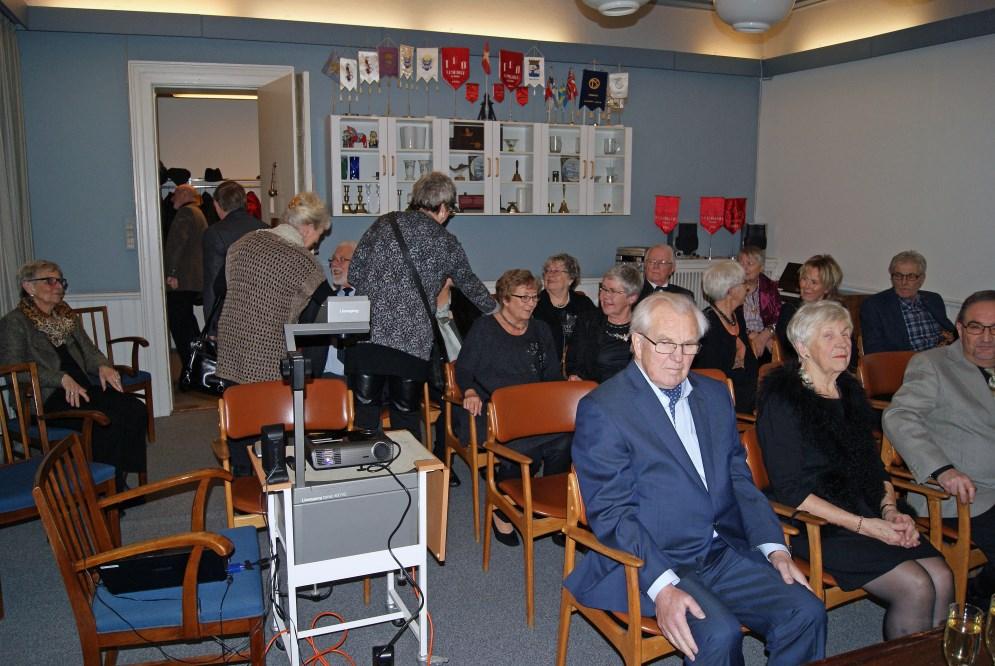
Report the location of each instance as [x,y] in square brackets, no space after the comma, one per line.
[284,142]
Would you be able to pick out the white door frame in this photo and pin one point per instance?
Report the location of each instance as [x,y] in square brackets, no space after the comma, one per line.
[144,77]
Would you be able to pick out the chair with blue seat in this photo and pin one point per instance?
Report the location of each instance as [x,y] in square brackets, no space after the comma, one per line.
[78,531]
[95,323]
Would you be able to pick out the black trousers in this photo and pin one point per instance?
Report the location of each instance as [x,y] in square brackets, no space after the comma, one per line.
[402,395]
[182,322]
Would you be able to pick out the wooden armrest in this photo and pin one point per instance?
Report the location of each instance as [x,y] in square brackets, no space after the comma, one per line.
[797,514]
[141,342]
[202,478]
[920,489]
[746,418]
[899,472]
[585,538]
[790,530]
[219,544]
[136,342]
[220,449]
[879,404]
[505,452]
[97,417]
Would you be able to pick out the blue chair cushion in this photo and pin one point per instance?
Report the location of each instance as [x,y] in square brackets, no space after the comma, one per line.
[16,482]
[54,434]
[139,377]
[152,609]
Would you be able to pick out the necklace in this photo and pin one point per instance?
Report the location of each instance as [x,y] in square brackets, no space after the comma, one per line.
[559,307]
[517,327]
[728,320]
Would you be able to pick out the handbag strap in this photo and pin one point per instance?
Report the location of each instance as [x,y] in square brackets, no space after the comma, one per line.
[392,220]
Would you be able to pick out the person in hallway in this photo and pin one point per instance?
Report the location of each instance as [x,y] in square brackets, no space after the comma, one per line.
[942,421]
[402,283]
[659,265]
[664,477]
[73,374]
[229,202]
[905,317]
[816,431]
[183,265]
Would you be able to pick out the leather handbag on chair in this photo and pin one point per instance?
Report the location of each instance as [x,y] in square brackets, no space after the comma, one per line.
[200,373]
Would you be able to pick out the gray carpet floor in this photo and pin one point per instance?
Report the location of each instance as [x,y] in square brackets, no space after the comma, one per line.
[479,617]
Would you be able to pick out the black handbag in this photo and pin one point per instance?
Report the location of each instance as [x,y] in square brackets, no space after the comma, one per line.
[200,373]
[437,356]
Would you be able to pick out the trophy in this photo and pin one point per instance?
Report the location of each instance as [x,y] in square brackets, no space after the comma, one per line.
[346,206]
[360,208]
[564,208]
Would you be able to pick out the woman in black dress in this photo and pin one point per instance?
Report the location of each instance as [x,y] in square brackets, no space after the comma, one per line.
[600,344]
[560,305]
[727,345]
[815,431]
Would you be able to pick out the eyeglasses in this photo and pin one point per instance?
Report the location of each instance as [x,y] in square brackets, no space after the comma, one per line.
[453,208]
[658,264]
[977,328]
[615,292]
[51,281]
[667,347]
[906,277]
[526,298]
[553,271]
[339,260]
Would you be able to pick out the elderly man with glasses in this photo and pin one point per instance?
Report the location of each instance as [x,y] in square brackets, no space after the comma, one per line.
[905,318]
[659,265]
[942,421]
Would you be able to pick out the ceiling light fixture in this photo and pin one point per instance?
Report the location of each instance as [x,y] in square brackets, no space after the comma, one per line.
[213,96]
[753,15]
[616,7]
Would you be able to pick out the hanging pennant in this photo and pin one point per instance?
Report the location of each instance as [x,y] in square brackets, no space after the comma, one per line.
[618,86]
[665,212]
[522,95]
[712,213]
[485,60]
[511,68]
[472,92]
[455,66]
[535,71]
[560,95]
[498,92]
[369,67]
[571,89]
[331,67]
[387,55]
[406,62]
[347,73]
[428,64]
[594,89]
[735,214]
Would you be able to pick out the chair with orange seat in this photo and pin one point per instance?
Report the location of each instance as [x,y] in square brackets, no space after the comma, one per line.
[472,453]
[535,506]
[881,374]
[742,418]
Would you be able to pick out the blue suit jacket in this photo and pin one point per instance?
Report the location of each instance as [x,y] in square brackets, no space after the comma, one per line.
[643,494]
[882,325]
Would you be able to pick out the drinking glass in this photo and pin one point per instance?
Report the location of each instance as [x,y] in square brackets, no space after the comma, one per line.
[962,635]
[990,629]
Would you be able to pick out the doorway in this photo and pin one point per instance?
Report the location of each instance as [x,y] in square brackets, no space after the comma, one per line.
[284,113]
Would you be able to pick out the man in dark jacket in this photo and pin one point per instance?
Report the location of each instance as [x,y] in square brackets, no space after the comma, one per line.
[659,265]
[229,202]
[182,265]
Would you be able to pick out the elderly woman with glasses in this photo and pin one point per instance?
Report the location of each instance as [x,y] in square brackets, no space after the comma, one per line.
[560,304]
[507,348]
[73,374]
[401,263]
[600,345]
[727,345]
[816,433]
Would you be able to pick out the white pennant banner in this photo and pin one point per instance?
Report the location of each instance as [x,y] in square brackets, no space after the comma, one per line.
[347,73]
[535,71]
[369,66]
[428,64]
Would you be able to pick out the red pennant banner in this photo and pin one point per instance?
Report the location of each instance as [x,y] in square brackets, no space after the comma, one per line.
[498,92]
[472,92]
[712,213]
[455,65]
[511,68]
[735,214]
[485,60]
[665,212]
[522,95]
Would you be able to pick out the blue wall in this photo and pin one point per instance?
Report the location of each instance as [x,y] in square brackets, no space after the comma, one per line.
[694,134]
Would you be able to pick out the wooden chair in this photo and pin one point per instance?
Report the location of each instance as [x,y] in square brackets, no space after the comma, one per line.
[881,374]
[637,642]
[954,542]
[95,323]
[81,540]
[743,420]
[246,408]
[776,353]
[472,453]
[536,507]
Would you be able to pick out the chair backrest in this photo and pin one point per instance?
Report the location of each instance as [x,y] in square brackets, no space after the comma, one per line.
[755,458]
[776,353]
[20,399]
[765,370]
[719,376]
[453,392]
[76,527]
[95,323]
[542,408]
[576,512]
[246,408]
[882,373]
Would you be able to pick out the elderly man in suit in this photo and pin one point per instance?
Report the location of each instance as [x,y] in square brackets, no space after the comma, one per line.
[905,317]
[942,421]
[659,265]
[664,476]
